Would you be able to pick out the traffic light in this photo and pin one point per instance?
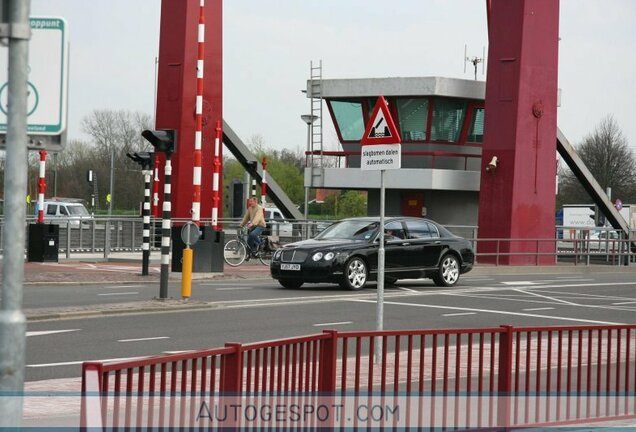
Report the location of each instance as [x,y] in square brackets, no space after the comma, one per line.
[145,159]
[163,140]
[601,220]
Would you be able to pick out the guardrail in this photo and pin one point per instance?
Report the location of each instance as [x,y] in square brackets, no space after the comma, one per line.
[449,378]
[571,245]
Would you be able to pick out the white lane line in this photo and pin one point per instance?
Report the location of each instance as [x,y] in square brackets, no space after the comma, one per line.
[459,314]
[537,309]
[497,312]
[143,339]
[623,303]
[517,283]
[121,293]
[234,288]
[48,332]
[71,363]
[573,278]
[177,352]
[333,323]
[408,290]
[547,297]
[125,286]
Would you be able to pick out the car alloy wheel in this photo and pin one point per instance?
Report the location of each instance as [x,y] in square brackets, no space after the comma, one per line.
[355,274]
[448,273]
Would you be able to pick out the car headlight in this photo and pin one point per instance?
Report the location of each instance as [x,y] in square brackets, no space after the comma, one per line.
[317,256]
[329,256]
[277,254]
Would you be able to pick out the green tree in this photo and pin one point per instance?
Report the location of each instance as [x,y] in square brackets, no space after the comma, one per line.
[345,204]
[353,204]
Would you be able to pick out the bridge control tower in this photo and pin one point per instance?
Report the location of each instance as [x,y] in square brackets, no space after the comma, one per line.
[441,123]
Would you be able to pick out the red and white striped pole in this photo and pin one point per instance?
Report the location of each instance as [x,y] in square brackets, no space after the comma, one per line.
[264,183]
[198,133]
[42,185]
[155,189]
[216,171]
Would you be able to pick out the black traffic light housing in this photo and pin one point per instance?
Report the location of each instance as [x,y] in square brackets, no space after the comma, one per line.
[145,159]
[163,140]
[594,215]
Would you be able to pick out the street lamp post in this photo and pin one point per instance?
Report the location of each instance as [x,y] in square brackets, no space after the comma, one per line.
[309,119]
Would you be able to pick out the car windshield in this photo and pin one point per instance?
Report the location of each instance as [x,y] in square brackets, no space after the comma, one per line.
[78,210]
[350,229]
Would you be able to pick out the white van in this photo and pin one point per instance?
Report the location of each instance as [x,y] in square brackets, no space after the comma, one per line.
[64,212]
[277,223]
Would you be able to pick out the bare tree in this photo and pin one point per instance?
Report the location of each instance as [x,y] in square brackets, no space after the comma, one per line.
[609,158]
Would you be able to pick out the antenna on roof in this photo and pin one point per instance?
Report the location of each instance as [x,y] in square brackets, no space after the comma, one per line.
[475,60]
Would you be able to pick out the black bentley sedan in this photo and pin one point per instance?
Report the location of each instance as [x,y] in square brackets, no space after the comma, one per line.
[347,253]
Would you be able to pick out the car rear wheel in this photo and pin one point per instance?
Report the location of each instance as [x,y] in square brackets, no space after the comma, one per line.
[290,284]
[448,273]
[355,274]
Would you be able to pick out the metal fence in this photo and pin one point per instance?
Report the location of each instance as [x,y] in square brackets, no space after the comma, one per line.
[450,378]
[571,245]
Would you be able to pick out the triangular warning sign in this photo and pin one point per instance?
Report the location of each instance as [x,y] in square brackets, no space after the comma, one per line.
[380,129]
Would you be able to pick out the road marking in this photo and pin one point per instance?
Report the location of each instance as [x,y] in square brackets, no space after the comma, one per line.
[143,339]
[459,314]
[121,293]
[497,312]
[547,297]
[177,352]
[234,288]
[126,286]
[537,309]
[515,283]
[333,323]
[408,290]
[48,332]
[72,363]
[623,303]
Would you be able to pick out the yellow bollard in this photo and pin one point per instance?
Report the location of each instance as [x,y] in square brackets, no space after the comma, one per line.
[186,274]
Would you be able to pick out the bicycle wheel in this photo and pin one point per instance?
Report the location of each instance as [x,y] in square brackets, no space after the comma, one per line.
[234,253]
[265,257]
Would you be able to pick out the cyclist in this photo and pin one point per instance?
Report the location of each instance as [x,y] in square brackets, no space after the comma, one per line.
[255,220]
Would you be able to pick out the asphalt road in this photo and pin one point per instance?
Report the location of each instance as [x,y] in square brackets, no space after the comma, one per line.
[254,310]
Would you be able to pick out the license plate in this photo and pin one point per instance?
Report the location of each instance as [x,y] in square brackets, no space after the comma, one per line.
[295,267]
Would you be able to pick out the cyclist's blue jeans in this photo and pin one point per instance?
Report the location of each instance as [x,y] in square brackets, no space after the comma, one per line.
[253,239]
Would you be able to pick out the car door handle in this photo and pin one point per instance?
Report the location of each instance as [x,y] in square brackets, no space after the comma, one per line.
[406,244]
[438,242]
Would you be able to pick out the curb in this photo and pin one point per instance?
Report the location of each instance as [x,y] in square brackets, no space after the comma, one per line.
[96,312]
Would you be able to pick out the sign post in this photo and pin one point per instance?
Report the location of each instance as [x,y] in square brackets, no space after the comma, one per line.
[47,85]
[380,150]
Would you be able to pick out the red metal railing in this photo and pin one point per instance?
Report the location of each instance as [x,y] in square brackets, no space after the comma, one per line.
[490,377]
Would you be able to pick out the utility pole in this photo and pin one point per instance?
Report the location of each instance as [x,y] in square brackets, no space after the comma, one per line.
[15,27]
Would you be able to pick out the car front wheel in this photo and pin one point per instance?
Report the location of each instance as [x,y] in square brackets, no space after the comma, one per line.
[355,274]
[448,273]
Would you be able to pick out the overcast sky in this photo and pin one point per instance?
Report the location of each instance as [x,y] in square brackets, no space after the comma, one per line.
[268,45]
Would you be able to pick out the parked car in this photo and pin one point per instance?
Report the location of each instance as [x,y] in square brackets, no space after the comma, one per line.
[277,223]
[66,212]
[346,253]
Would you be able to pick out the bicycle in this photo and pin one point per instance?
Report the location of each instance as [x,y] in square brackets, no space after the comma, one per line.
[235,250]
